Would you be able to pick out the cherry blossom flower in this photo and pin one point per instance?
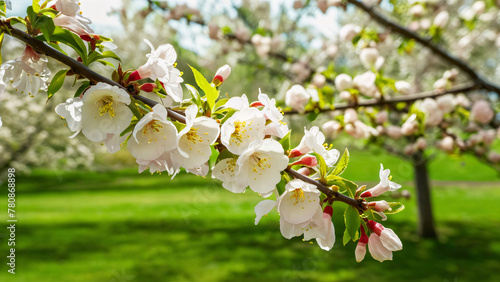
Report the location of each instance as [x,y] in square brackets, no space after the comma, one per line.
[276,127]
[193,141]
[105,111]
[238,103]
[384,185]
[153,135]
[402,87]
[441,19]
[76,25]
[27,73]
[313,140]
[343,82]
[263,208]
[388,238]
[71,111]
[160,65]
[433,114]
[360,251]
[365,83]
[241,129]
[162,163]
[324,233]
[368,57]
[377,249]
[349,31]
[226,170]
[261,164]
[297,98]
[481,112]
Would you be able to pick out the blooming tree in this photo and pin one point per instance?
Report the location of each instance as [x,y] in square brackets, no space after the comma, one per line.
[395,51]
[244,144]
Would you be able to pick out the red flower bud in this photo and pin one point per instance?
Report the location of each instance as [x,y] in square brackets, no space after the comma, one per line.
[148,87]
[328,210]
[134,76]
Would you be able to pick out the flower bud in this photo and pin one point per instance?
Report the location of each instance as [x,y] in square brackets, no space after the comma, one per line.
[380,206]
[148,87]
[446,103]
[330,128]
[332,50]
[345,95]
[322,5]
[390,240]
[425,23]
[319,80]
[350,116]
[382,117]
[462,100]
[348,32]
[440,84]
[441,19]
[134,76]
[481,112]
[368,57]
[221,75]
[328,210]
[402,87]
[394,131]
[447,144]
[297,98]
[307,160]
[304,171]
[417,10]
[494,157]
[297,4]
[343,82]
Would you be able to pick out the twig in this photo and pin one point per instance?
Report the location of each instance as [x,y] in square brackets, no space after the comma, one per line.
[427,42]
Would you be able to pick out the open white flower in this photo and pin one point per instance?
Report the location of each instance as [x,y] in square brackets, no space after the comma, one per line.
[377,249]
[193,142]
[153,135]
[27,73]
[226,170]
[297,98]
[384,185]
[313,140]
[160,65]
[261,164]
[71,111]
[276,127]
[163,163]
[241,129]
[105,111]
[324,231]
[238,103]
[299,202]
[8,4]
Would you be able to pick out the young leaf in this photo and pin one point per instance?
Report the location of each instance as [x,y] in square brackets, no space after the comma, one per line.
[1,42]
[322,166]
[395,208]
[343,183]
[82,87]
[352,222]
[342,164]
[46,26]
[56,83]
[286,142]
[346,237]
[211,92]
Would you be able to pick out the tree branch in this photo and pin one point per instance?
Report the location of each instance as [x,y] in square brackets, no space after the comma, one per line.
[360,205]
[394,100]
[79,68]
[427,42]
[76,67]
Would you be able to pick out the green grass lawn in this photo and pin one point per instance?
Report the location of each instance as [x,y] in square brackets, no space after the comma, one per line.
[120,226]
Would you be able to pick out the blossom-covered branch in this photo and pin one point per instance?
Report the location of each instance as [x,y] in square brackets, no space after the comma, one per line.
[428,43]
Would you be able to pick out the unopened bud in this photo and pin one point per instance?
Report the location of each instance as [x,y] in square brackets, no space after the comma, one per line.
[148,87]
[328,210]
[221,75]
[307,160]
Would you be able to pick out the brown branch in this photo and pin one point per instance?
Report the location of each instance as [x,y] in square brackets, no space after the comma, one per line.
[360,205]
[394,100]
[427,42]
[76,67]
[79,68]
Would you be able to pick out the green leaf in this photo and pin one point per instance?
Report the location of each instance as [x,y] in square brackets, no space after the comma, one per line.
[371,215]
[194,94]
[286,142]
[322,166]
[129,128]
[352,222]
[347,185]
[57,47]
[211,92]
[72,40]
[46,26]
[213,156]
[56,83]
[82,87]
[36,6]
[312,116]
[135,110]
[395,208]
[342,164]
[346,237]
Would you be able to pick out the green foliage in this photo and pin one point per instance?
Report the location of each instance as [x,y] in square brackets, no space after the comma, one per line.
[342,164]
[395,208]
[352,223]
[322,167]
[72,40]
[211,93]
[56,83]
[344,184]
[82,88]
[286,141]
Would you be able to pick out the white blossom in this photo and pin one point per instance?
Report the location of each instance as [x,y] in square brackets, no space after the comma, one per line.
[71,111]
[241,129]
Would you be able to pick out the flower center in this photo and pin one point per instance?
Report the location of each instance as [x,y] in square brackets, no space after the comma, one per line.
[106,106]
[259,162]
[298,194]
[240,131]
[193,136]
[152,127]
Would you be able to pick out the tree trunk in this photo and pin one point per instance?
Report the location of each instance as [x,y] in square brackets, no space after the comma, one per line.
[425,218]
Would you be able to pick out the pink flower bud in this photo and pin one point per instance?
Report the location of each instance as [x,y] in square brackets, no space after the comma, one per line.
[134,76]
[221,75]
[319,80]
[148,87]
[382,117]
[481,112]
[350,116]
[345,95]
[322,5]
[213,31]
[304,171]
[360,251]
[380,206]
[417,10]
[297,98]
[295,153]
[330,128]
[394,131]
[307,160]
[297,4]
[328,210]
